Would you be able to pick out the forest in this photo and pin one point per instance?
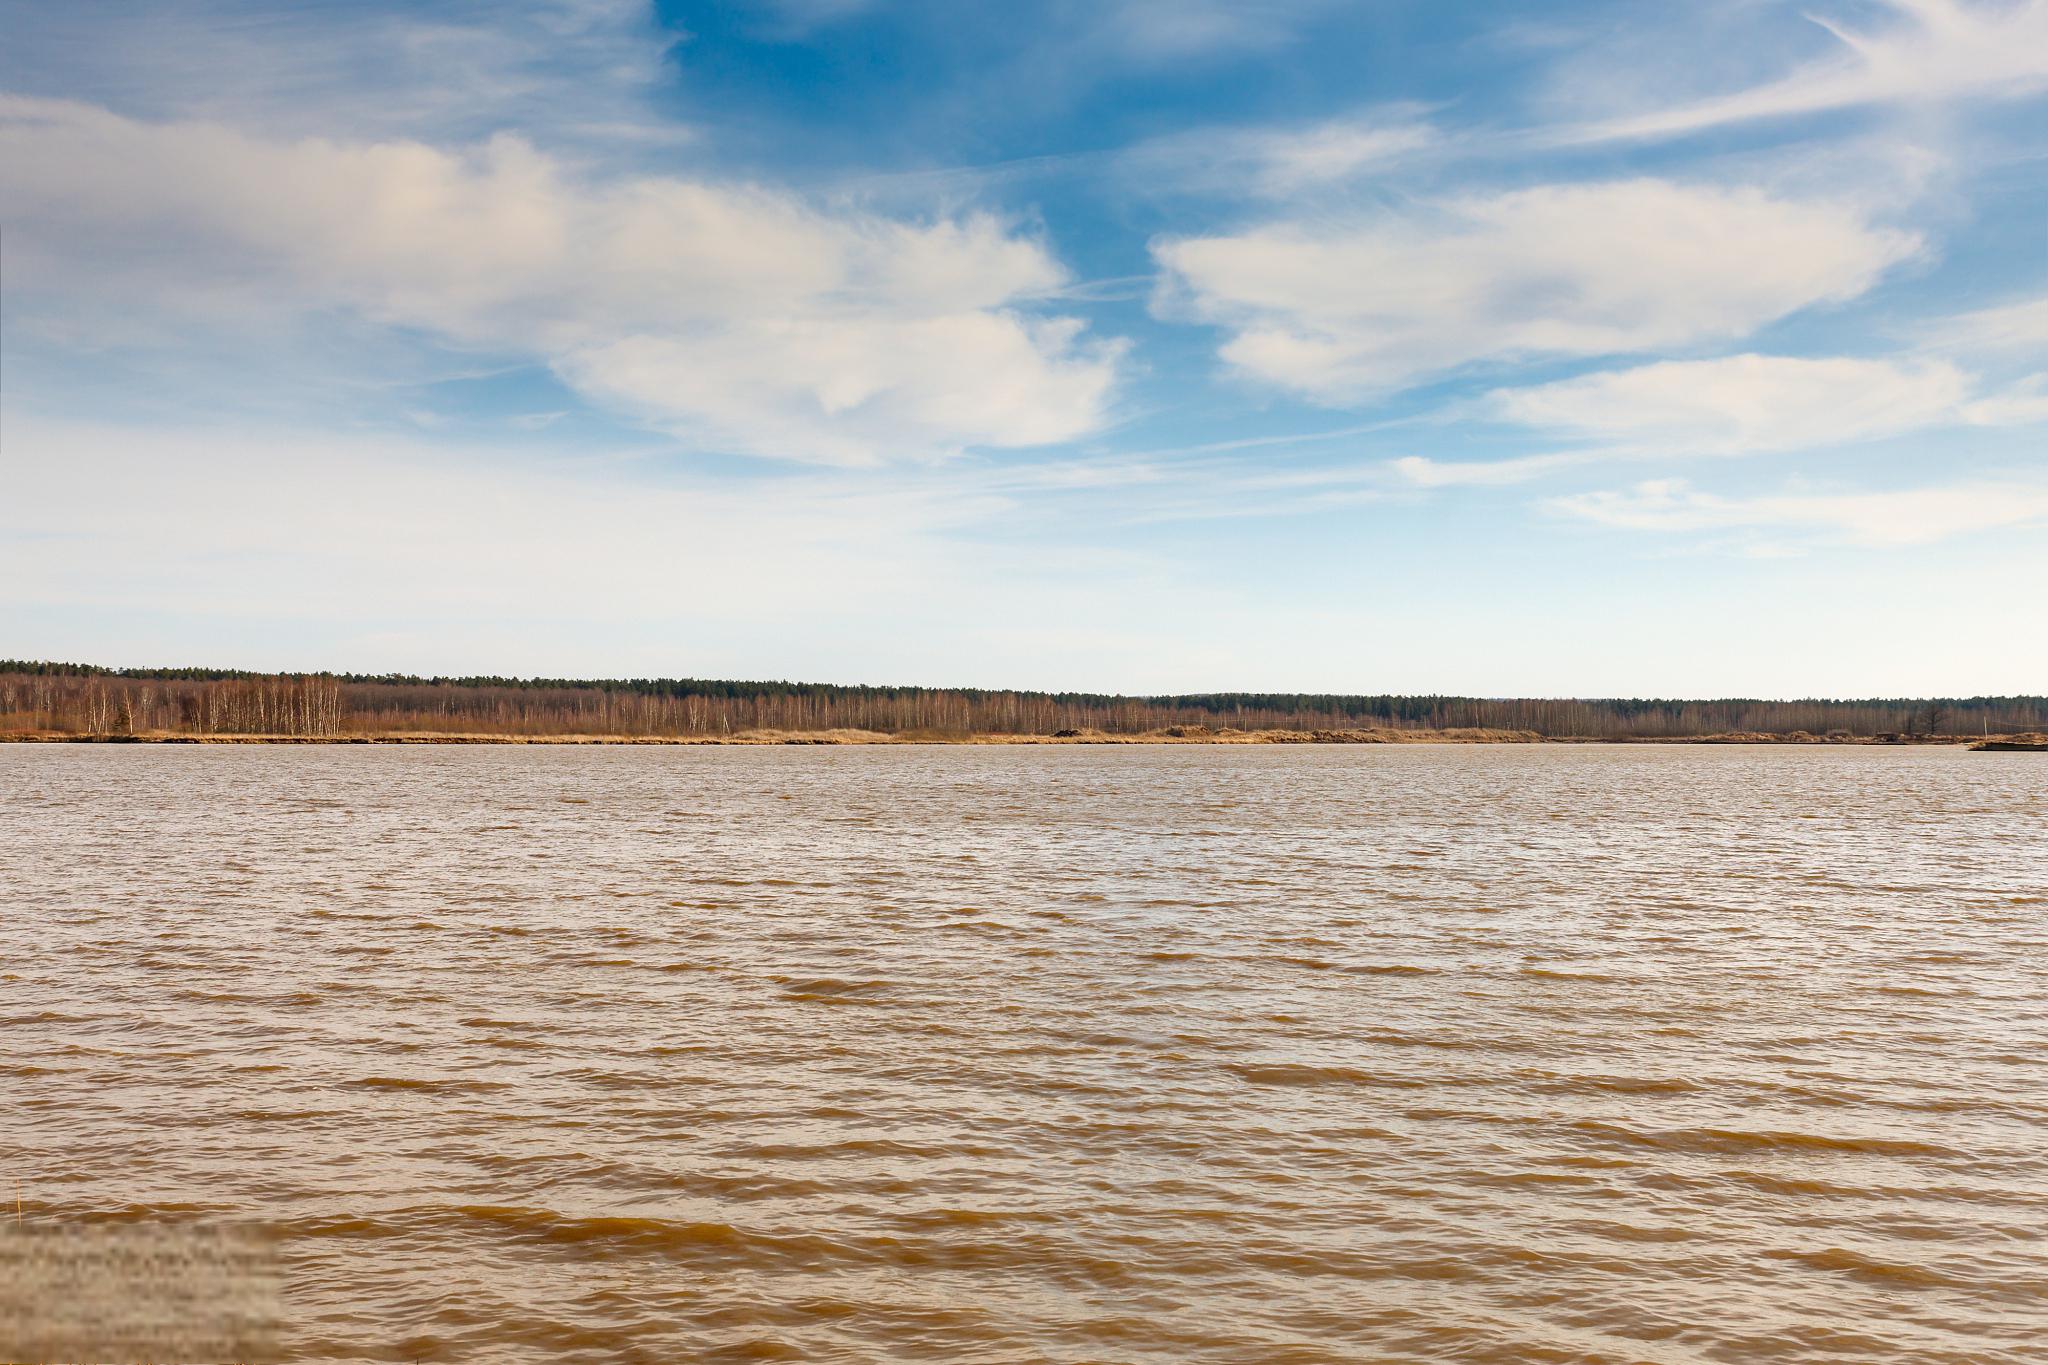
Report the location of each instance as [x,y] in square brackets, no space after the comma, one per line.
[59,700]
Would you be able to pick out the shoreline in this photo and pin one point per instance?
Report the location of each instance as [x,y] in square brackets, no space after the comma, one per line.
[848,738]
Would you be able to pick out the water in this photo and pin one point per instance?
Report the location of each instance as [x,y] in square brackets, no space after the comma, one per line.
[1058,1054]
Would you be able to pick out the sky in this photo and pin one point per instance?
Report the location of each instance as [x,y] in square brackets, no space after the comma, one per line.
[1559,348]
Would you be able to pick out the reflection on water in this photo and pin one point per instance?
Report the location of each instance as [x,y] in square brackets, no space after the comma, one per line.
[1189,1054]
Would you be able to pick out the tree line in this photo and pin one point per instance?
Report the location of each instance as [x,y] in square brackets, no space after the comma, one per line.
[106,703]
[79,699]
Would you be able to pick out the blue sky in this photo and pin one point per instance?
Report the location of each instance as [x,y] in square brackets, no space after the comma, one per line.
[1142,345]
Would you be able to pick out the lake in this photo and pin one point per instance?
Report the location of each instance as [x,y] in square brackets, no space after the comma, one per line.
[1594,1054]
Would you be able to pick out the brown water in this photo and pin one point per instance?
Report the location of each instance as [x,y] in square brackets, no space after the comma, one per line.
[1060,1054]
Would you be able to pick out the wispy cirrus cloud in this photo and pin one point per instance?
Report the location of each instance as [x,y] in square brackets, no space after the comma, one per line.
[1288,161]
[1732,405]
[1929,51]
[1164,30]
[1900,517]
[2018,326]
[579,73]
[1424,472]
[1741,404]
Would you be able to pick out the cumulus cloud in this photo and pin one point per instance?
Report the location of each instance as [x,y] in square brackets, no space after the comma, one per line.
[1340,311]
[843,390]
[1933,50]
[1915,516]
[734,315]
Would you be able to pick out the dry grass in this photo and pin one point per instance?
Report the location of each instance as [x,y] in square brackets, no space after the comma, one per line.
[1193,734]
[1178,734]
[2030,743]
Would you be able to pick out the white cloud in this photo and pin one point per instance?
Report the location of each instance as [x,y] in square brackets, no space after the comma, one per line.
[2021,404]
[2020,326]
[562,71]
[734,315]
[1333,151]
[846,391]
[1742,403]
[1281,163]
[1934,50]
[1427,473]
[1735,405]
[1904,517]
[1338,311]
[1165,30]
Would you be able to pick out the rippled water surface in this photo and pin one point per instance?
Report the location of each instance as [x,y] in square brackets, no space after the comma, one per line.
[1053,1054]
